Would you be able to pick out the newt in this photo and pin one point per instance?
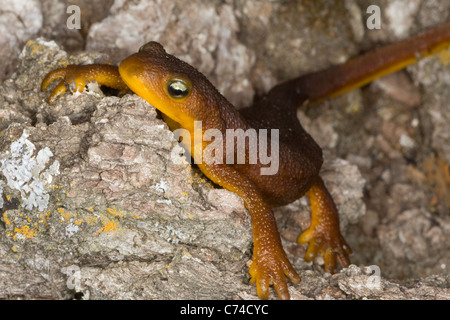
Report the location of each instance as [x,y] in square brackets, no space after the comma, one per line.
[184,95]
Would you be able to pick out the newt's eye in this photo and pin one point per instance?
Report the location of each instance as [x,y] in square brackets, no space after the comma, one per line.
[177,89]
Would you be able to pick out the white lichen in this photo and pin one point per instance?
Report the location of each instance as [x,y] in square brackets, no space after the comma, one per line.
[169,233]
[25,172]
[164,201]
[161,186]
[71,229]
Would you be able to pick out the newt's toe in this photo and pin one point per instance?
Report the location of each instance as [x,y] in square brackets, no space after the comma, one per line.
[272,269]
[332,246]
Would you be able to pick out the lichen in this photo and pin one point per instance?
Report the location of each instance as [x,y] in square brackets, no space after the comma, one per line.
[25,232]
[25,172]
[1,192]
[161,186]
[108,225]
[71,229]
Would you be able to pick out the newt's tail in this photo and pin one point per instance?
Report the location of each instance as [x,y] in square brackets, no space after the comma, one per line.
[365,68]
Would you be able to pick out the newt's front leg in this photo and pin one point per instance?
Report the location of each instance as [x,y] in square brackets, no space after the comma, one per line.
[78,76]
[324,235]
[270,264]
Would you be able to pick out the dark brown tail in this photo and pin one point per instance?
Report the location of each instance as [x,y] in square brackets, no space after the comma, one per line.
[365,68]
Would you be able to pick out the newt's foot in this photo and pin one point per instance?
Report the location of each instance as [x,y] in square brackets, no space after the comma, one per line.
[78,75]
[272,268]
[70,75]
[331,245]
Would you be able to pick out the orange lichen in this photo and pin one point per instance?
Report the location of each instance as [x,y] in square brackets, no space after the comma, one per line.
[91,220]
[115,212]
[24,232]
[5,219]
[108,225]
[66,214]
[43,217]
[103,221]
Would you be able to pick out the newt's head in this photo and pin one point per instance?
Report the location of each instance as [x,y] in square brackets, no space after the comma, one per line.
[172,86]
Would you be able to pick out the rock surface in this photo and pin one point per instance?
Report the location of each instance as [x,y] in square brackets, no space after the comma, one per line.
[97,202]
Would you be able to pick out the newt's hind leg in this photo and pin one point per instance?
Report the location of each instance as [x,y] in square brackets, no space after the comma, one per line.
[324,235]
